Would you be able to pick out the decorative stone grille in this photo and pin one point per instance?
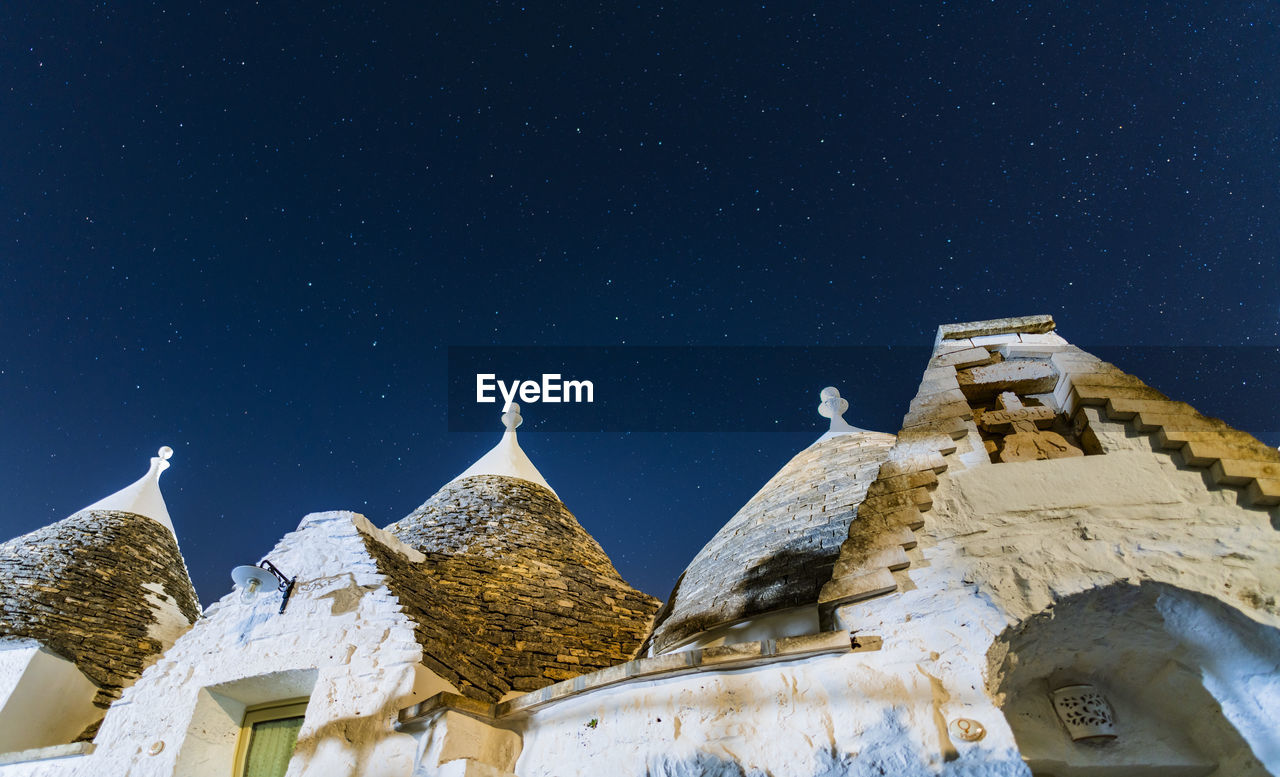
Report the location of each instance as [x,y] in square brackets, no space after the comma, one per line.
[1085,712]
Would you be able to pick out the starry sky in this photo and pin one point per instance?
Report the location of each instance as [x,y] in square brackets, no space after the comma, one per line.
[256,231]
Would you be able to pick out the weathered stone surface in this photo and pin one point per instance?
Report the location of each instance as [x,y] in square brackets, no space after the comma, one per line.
[852,588]
[968,357]
[777,551]
[1022,376]
[1171,438]
[1026,442]
[997,326]
[514,594]
[1236,472]
[958,409]
[724,657]
[94,588]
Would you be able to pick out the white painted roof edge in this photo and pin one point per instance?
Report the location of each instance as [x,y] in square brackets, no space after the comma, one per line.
[142,497]
[507,458]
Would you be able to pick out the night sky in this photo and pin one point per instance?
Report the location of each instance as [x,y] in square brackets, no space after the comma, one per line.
[253,233]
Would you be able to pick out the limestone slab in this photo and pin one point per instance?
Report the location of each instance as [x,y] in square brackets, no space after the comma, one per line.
[1120,478]
[997,326]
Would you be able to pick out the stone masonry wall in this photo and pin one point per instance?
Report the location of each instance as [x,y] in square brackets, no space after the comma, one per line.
[85,587]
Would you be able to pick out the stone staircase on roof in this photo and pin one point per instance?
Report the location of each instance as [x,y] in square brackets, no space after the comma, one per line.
[962,368]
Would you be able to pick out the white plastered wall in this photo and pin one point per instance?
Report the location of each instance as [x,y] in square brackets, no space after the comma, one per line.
[857,714]
[342,641]
[1004,542]
[44,699]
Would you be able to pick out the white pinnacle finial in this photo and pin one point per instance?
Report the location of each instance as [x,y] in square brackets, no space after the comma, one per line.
[507,458]
[142,497]
[833,406]
[511,417]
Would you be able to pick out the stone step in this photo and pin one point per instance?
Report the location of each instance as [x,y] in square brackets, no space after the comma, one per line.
[1172,439]
[1125,408]
[852,589]
[903,536]
[1238,472]
[891,558]
[1263,492]
[906,482]
[919,498]
[1151,421]
[1203,453]
[913,463]
[1103,377]
[1098,395]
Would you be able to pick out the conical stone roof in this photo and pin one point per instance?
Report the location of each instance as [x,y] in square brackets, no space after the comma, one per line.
[779,549]
[106,589]
[531,596]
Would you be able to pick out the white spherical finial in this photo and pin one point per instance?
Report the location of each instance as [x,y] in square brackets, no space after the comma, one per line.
[511,417]
[165,452]
[832,405]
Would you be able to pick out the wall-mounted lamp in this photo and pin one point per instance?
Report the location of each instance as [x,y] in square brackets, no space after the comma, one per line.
[251,580]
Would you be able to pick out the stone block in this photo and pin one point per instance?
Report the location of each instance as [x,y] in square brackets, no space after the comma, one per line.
[1047,339]
[853,589]
[891,558]
[1150,422]
[937,413]
[1203,453]
[1020,377]
[1039,324]
[966,357]
[1237,472]
[956,428]
[994,343]
[1099,375]
[919,498]
[936,398]
[812,644]
[913,463]
[908,519]
[1121,478]
[902,535]
[923,443]
[938,384]
[1173,439]
[1125,408]
[1263,492]
[729,654]
[937,375]
[905,482]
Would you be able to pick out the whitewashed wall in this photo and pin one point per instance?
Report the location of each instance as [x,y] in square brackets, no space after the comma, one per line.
[342,642]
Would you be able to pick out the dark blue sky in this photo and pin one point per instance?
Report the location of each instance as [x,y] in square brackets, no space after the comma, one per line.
[252,232]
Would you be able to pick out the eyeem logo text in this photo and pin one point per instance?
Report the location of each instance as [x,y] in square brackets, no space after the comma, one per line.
[549,389]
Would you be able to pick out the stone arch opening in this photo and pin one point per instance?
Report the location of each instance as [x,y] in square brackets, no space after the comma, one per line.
[1191,684]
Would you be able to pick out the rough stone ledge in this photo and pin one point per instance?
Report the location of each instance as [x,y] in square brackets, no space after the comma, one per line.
[46,753]
[997,326]
[739,656]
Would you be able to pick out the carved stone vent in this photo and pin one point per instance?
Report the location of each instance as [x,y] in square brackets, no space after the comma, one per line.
[1085,712]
